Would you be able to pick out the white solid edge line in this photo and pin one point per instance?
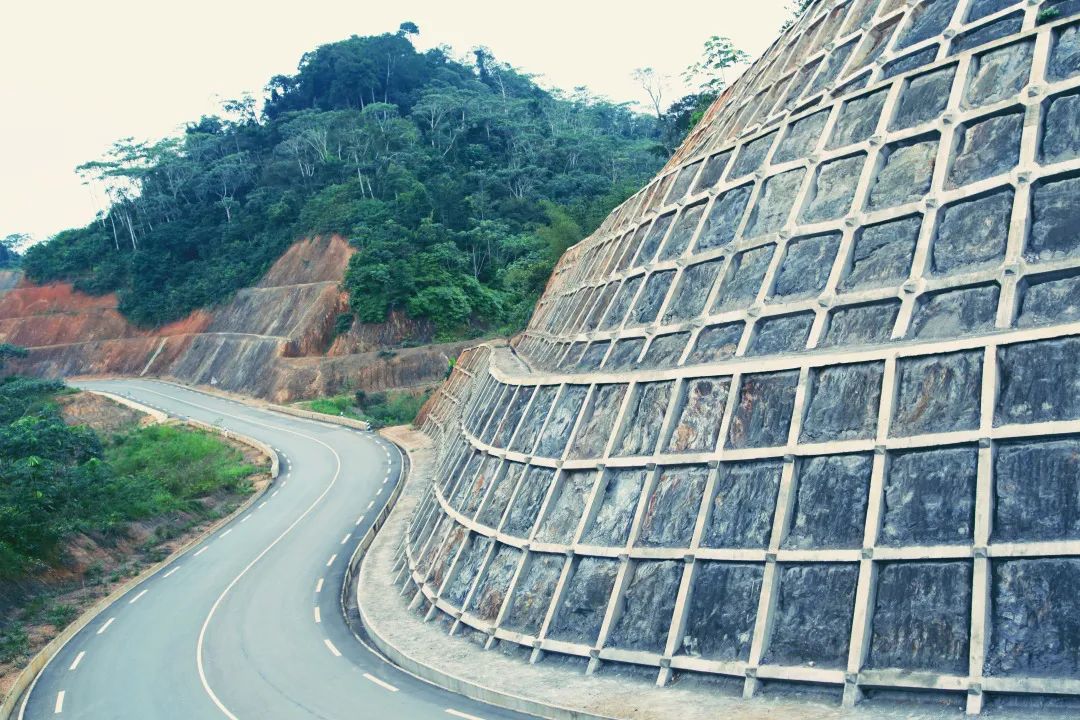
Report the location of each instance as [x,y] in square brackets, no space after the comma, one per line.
[105,627]
[135,599]
[331,560]
[318,614]
[464,716]
[59,708]
[380,683]
[318,585]
[217,603]
[78,659]
[331,648]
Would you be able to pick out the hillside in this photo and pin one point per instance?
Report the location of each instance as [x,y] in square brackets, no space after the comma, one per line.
[457,184]
[275,340]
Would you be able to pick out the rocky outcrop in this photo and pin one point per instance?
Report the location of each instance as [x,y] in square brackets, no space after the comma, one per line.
[274,340]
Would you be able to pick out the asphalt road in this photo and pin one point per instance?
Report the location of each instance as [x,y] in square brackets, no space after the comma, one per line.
[247,625]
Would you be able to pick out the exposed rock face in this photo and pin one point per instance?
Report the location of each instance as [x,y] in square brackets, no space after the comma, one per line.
[805,409]
[270,340]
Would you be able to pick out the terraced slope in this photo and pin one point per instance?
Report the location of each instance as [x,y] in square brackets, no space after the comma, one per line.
[273,340]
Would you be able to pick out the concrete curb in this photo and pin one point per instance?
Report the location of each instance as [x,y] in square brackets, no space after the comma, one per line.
[310,415]
[355,561]
[430,673]
[27,678]
[158,416]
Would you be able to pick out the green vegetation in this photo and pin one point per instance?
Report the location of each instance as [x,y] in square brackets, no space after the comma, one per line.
[1047,14]
[396,407]
[9,250]
[184,463]
[14,643]
[57,480]
[460,183]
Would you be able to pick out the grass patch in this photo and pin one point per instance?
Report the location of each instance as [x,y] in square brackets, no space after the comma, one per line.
[181,463]
[381,409]
[14,644]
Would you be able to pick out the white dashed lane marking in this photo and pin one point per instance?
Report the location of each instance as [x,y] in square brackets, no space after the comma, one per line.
[202,550]
[318,585]
[380,683]
[105,627]
[226,532]
[78,659]
[459,714]
[345,539]
[171,572]
[331,560]
[318,615]
[59,703]
[330,646]
[359,519]
[371,505]
[135,599]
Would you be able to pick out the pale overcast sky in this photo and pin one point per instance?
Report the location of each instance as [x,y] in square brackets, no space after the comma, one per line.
[79,75]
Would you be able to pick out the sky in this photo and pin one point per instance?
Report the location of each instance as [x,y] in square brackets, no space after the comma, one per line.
[79,75]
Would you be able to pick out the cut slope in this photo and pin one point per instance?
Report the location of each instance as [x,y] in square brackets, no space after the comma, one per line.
[268,340]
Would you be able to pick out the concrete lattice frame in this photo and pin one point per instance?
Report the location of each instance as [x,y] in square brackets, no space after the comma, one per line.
[479,402]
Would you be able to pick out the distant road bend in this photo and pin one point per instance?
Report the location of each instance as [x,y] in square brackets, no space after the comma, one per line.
[247,625]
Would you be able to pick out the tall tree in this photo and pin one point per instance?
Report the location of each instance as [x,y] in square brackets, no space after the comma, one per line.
[655,85]
[709,73]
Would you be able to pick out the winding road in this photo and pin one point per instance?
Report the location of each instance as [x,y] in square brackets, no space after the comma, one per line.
[247,625]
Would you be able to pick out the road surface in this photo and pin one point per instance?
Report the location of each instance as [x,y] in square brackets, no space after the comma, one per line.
[247,625]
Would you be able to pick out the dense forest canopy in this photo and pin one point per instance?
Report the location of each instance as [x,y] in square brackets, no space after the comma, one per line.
[460,184]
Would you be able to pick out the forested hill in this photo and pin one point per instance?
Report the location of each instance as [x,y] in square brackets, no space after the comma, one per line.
[460,183]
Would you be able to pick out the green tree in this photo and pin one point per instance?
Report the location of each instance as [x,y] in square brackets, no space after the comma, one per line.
[9,249]
[709,73]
